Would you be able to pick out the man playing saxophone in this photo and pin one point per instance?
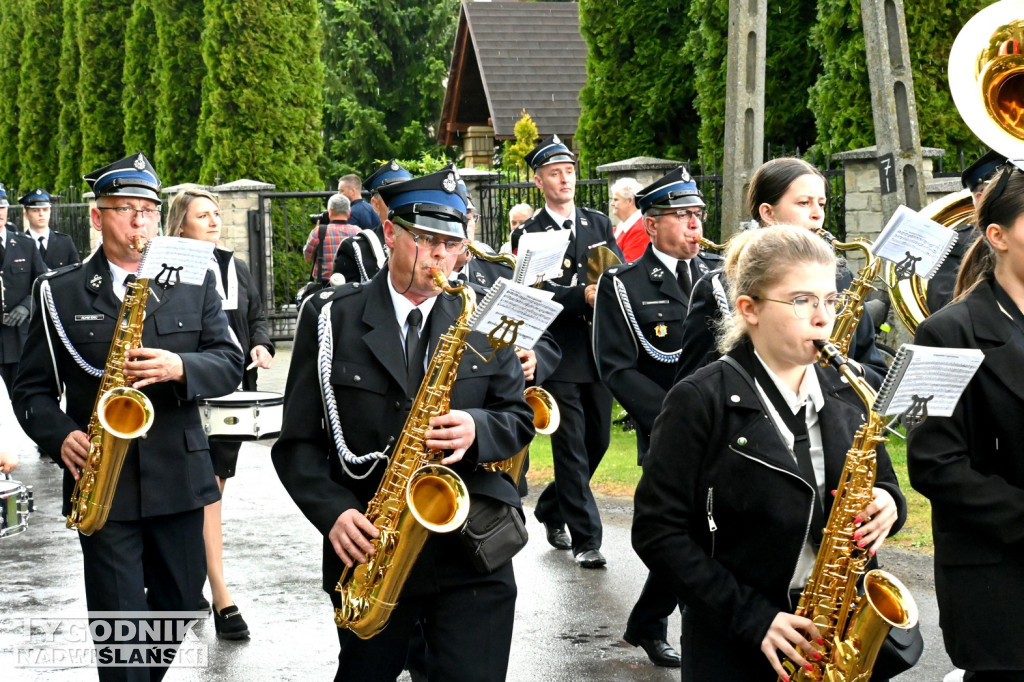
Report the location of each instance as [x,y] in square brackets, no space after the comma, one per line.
[149,556]
[343,421]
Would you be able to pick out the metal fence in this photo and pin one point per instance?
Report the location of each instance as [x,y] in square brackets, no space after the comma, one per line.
[290,217]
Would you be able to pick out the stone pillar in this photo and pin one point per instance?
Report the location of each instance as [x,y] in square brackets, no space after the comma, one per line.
[894,108]
[744,107]
[645,169]
[478,147]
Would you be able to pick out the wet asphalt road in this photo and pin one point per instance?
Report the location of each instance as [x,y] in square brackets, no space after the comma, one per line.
[569,621]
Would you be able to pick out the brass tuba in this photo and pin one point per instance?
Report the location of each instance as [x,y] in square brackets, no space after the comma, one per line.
[120,415]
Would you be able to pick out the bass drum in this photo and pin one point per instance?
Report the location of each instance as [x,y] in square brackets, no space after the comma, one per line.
[909,296]
[242,415]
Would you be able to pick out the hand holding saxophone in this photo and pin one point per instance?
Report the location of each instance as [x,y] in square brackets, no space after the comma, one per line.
[791,635]
[351,536]
[74,451]
[454,431]
[153,365]
[528,360]
[876,521]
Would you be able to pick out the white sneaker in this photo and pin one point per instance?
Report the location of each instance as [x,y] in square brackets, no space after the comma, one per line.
[954,676]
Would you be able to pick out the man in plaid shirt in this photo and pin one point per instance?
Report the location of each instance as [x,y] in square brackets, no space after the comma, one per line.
[338,209]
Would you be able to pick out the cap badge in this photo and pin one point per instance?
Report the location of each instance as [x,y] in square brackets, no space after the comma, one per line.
[394,165]
[449,183]
[661,330]
[140,163]
[39,191]
[555,140]
[685,176]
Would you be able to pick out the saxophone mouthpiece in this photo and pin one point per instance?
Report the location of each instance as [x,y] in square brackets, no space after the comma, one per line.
[830,352]
[138,242]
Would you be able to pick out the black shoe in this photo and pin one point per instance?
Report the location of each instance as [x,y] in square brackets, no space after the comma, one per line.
[557,537]
[658,650]
[204,606]
[229,623]
[591,558]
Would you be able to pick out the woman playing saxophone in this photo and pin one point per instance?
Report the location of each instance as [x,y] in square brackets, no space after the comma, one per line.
[744,456]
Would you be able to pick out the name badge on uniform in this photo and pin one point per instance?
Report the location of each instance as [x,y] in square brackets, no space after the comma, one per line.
[594,246]
[661,301]
[89,318]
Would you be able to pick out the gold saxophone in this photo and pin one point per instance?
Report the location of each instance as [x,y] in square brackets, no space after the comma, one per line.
[120,415]
[853,298]
[853,627]
[416,496]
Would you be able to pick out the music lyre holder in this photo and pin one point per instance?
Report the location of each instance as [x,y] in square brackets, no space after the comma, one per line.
[907,267]
[503,335]
[168,273]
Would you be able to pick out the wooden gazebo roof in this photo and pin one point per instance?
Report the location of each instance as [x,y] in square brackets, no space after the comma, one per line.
[511,56]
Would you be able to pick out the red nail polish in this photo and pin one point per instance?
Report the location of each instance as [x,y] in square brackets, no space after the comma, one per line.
[808,667]
[862,543]
[785,678]
[874,552]
[833,492]
[856,521]
[817,656]
[821,641]
[856,536]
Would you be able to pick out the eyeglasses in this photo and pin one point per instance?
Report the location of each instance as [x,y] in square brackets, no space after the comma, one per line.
[130,213]
[687,213]
[804,305]
[430,242]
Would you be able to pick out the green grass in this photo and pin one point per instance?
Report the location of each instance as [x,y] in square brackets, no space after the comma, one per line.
[618,475]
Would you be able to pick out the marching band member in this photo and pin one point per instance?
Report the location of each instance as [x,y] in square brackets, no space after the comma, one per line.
[195,214]
[731,489]
[971,465]
[584,402]
[638,321]
[466,615]
[150,555]
[786,191]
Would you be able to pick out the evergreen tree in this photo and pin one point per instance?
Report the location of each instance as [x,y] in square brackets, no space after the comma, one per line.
[40,61]
[101,33]
[386,62]
[11,32]
[515,153]
[140,83]
[639,91]
[707,41]
[262,92]
[69,135]
[178,97]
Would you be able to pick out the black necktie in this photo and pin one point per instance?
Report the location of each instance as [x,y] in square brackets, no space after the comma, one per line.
[3,253]
[683,275]
[567,225]
[42,247]
[414,352]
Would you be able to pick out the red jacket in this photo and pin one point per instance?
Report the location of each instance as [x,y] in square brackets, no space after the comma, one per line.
[633,240]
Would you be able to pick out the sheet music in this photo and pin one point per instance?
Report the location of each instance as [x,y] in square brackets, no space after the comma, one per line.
[540,256]
[910,236]
[926,371]
[507,304]
[177,257]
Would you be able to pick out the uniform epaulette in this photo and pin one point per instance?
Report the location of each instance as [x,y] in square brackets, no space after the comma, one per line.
[341,291]
[50,274]
[587,209]
[622,268]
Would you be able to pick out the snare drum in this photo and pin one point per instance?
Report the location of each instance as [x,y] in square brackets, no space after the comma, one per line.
[243,415]
[15,505]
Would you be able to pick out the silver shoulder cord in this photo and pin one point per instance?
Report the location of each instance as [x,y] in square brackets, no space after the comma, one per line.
[325,354]
[627,310]
[720,298]
[51,308]
[357,254]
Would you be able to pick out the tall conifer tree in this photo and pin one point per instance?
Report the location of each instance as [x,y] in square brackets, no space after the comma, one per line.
[101,33]
[141,84]
[40,63]
[69,135]
[262,93]
[11,32]
[179,25]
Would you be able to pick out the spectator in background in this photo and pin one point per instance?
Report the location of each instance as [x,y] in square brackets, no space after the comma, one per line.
[324,240]
[630,234]
[517,215]
[362,216]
